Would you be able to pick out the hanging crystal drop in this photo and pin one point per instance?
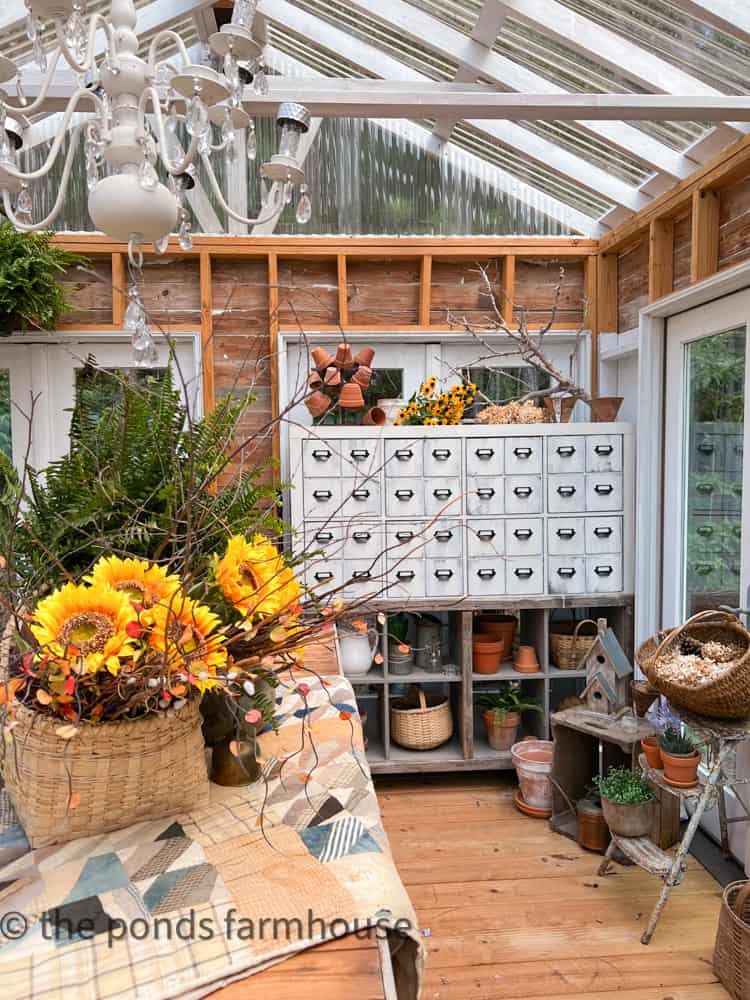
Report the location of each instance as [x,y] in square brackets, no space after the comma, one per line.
[134,312]
[170,122]
[197,120]
[260,81]
[6,150]
[20,93]
[24,206]
[231,71]
[288,192]
[264,191]
[185,235]
[227,131]
[92,173]
[31,26]
[304,206]
[147,176]
[252,143]
[37,48]
[160,246]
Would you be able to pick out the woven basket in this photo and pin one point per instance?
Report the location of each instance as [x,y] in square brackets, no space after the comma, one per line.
[728,697]
[105,778]
[732,952]
[566,646]
[424,727]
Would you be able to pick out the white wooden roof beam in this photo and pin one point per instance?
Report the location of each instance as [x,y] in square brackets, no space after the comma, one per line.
[730,16]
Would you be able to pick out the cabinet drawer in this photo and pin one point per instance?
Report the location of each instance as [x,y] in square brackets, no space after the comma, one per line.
[484,458]
[524,576]
[403,538]
[360,457]
[604,453]
[566,536]
[604,491]
[325,537]
[486,577]
[485,496]
[362,540]
[603,574]
[523,494]
[566,574]
[566,454]
[403,458]
[322,498]
[321,459]
[524,537]
[566,494]
[485,539]
[360,496]
[733,455]
[442,457]
[603,534]
[323,575]
[443,539]
[362,578]
[404,498]
[444,578]
[406,578]
[442,496]
[523,456]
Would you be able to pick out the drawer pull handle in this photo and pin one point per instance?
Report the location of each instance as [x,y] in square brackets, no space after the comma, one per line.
[405,574]
[485,453]
[324,536]
[604,489]
[443,574]
[705,448]
[360,494]
[523,533]
[566,450]
[359,454]
[566,491]
[486,574]
[604,449]
[320,455]
[323,576]
[441,454]
[485,535]
[443,536]
[322,494]
[404,536]
[404,494]
[361,537]
[485,493]
[442,494]
[603,570]
[566,532]
[404,454]
[568,572]
[523,491]
[603,532]
[361,574]
[704,488]
[524,572]
[522,452]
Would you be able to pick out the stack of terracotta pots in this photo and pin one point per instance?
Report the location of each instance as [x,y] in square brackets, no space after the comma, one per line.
[339,380]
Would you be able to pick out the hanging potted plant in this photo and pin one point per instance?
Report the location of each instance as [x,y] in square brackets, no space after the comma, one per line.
[502,715]
[627,802]
[681,758]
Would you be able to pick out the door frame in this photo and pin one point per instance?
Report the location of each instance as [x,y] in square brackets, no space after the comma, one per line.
[652,333]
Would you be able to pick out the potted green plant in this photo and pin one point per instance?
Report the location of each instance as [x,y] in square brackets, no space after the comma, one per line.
[31,266]
[502,715]
[681,758]
[627,802]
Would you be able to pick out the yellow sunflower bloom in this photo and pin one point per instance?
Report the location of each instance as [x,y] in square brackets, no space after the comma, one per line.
[254,577]
[184,631]
[139,580]
[85,623]
[426,389]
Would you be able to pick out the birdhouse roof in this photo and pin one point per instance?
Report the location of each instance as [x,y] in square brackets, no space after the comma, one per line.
[601,680]
[622,665]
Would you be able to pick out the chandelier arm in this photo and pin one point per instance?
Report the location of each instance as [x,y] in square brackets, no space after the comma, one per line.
[59,139]
[29,109]
[274,213]
[181,166]
[110,44]
[163,36]
[25,227]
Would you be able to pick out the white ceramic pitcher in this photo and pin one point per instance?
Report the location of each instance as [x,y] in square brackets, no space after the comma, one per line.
[357,650]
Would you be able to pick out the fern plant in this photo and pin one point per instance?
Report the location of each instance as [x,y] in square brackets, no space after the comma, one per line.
[31,266]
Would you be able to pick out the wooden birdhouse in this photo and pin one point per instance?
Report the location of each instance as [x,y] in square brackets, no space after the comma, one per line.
[608,673]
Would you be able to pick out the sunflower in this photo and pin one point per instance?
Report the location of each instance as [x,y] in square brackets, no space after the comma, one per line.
[88,623]
[139,580]
[254,577]
[185,632]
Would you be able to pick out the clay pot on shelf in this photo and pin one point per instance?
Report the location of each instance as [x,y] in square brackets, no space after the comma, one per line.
[351,397]
[317,403]
[629,820]
[332,376]
[364,356]
[604,409]
[561,407]
[374,417]
[643,697]
[526,661]
[487,653]
[652,750]
[593,832]
[344,355]
[362,376]
[501,729]
[680,770]
[502,626]
[321,357]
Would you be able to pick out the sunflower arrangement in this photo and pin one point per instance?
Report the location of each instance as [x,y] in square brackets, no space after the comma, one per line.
[430,408]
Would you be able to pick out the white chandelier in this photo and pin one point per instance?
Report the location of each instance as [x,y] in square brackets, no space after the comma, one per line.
[139,105]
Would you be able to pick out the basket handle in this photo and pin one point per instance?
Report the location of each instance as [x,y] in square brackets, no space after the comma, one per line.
[700,616]
[740,900]
[585,621]
[423,700]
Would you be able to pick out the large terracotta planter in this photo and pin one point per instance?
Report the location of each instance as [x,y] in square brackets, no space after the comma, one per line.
[629,821]
[487,653]
[652,750]
[501,729]
[501,626]
[681,770]
[532,760]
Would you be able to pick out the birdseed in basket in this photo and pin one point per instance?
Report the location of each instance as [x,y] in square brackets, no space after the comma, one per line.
[695,664]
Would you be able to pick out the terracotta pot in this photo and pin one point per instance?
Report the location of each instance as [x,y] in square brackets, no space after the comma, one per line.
[314,381]
[364,356]
[593,832]
[351,397]
[567,405]
[362,376]
[343,355]
[321,357]
[681,770]
[501,729]
[332,376]
[487,653]
[629,821]
[643,696]
[502,626]
[317,403]
[526,660]
[604,409]
[532,759]
[374,417]
[652,751]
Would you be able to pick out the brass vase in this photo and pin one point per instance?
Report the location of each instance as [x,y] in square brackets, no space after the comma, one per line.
[235,770]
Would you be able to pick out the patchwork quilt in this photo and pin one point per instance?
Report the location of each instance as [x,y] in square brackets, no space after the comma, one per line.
[181,906]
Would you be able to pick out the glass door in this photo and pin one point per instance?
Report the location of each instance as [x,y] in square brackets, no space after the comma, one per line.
[705,559]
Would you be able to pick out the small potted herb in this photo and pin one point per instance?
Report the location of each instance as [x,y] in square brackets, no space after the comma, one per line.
[681,758]
[627,802]
[502,715]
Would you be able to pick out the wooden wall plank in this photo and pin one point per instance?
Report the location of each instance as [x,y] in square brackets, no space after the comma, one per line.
[309,292]
[591,318]
[704,259]
[534,290]
[119,288]
[273,346]
[459,291]
[660,259]
[632,284]
[342,289]
[384,291]
[683,242]
[425,290]
[606,297]
[509,288]
[89,294]
[207,331]
[734,224]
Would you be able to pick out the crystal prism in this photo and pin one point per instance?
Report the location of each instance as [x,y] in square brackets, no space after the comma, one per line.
[160,246]
[20,93]
[147,176]
[185,236]
[260,82]
[252,144]
[197,120]
[304,209]
[24,204]
[134,311]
